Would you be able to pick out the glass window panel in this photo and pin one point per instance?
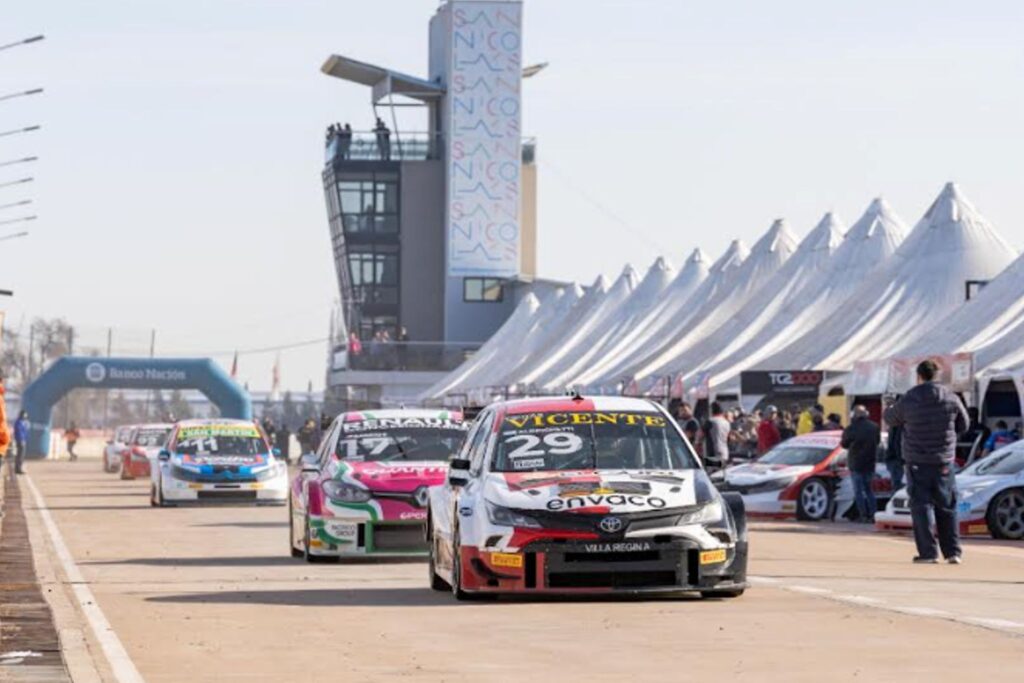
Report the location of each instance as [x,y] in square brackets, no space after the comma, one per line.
[473,289]
[350,201]
[492,290]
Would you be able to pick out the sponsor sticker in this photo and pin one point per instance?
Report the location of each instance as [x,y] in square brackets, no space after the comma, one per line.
[528,463]
[977,528]
[621,547]
[194,431]
[788,507]
[963,506]
[507,560]
[615,499]
[342,530]
[712,556]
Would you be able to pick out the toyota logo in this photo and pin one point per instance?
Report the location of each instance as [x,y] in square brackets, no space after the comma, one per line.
[421,496]
[610,525]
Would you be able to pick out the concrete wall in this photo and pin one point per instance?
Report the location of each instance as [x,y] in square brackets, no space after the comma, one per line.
[421,212]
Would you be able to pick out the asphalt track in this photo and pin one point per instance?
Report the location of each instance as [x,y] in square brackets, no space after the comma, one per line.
[211,594]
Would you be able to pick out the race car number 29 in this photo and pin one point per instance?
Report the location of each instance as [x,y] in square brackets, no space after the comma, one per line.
[556,443]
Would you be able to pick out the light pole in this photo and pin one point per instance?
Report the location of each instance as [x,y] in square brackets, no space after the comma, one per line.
[26,41]
[26,129]
[24,93]
[17,182]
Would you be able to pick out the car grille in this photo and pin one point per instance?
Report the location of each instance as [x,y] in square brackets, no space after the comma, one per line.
[901,503]
[227,494]
[634,521]
[399,537]
[661,566]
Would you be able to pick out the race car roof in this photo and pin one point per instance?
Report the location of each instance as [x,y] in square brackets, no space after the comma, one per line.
[569,404]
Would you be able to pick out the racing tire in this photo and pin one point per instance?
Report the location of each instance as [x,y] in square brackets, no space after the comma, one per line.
[296,552]
[456,584]
[160,500]
[723,594]
[1005,516]
[152,496]
[814,500]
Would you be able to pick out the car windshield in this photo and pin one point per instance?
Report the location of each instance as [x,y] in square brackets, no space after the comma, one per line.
[152,438]
[401,443]
[1009,461]
[220,440]
[795,455]
[590,440]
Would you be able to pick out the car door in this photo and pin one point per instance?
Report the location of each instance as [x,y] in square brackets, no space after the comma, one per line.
[445,498]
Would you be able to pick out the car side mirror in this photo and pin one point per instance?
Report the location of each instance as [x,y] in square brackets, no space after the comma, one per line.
[310,463]
[458,471]
[164,455]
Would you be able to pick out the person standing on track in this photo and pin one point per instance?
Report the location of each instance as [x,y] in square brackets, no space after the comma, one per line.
[861,438]
[768,432]
[71,437]
[931,416]
[716,438]
[20,441]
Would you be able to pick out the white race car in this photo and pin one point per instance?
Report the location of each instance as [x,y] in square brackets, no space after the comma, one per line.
[218,461]
[568,495]
[990,494]
[115,448]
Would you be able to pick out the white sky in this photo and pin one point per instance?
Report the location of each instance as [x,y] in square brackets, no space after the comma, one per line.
[179,185]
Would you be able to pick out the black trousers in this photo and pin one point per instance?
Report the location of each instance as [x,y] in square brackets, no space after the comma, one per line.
[934,487]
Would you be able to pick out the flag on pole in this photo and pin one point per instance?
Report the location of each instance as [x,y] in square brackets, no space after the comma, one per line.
[234,366]
[275,386]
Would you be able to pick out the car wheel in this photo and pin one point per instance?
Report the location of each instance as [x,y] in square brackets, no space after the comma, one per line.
[124,473]
[436,582]
[152,495]
[813,501]
[722,594]
[1006,515]
[296,552]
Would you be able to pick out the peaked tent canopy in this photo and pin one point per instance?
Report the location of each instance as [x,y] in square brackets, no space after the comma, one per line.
[867,246]
[924,281]
[665,352]
[680,299]
[624,318]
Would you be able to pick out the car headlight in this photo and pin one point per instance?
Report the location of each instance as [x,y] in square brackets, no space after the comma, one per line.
[503,516]
[346,493]
[706,514]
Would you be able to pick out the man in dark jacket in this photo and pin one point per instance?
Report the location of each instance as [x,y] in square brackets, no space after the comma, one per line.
[931,416]
[861,439]
[894,457]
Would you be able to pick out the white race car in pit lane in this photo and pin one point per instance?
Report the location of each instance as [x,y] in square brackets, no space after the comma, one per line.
[805,477]
[218,461]
[990,495]
[116,447]
[566,495]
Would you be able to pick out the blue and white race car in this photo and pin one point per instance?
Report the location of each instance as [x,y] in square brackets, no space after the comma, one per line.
[218,461]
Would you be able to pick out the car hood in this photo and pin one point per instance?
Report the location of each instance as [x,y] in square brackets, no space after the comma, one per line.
[980,482]
[393,476]
[599,491]
[755,473]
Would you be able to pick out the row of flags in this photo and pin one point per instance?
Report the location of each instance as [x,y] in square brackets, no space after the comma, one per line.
[275,386]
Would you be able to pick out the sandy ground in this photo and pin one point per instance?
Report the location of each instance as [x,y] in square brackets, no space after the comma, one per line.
[212,595]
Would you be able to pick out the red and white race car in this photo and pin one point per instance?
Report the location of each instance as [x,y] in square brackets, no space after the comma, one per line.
[805,477]
[142,448]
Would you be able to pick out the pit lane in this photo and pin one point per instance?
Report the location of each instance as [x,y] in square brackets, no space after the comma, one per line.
[208,594]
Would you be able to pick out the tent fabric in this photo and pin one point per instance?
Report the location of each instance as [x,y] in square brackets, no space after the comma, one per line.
[867,246]
[680,301]
[510,334]
[561,334]
[623,319]
[922,282]
[664,353]
[578,339]
[810,259]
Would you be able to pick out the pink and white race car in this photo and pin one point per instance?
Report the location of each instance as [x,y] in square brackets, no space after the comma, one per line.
[805,477]
[364,492]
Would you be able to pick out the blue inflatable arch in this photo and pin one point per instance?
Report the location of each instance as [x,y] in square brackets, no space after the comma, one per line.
[76,372]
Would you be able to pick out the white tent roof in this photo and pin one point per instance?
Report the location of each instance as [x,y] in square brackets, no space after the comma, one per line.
[694,284]
[868,244]
[991,325]
[761,310]
[509,335]
[922,282]
[571,309]
[666,352]
[622,319]
[577,338]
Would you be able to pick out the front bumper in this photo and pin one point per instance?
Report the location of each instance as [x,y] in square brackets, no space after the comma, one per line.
[272,490]
[334,537]
[769,505]
[628,566]
[970,522]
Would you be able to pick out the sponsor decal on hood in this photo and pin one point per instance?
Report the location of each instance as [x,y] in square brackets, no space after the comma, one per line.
[755,473]
[596,491]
